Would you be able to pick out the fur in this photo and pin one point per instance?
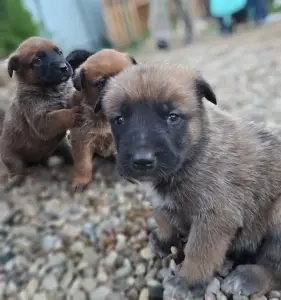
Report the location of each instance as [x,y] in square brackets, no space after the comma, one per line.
[94,136]
[214,180]
[36,122]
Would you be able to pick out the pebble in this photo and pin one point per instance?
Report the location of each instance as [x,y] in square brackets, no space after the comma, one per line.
[2,288]
[214,286]
[237,297]
[274,294]
[11,288]
[210,296]
[32,287]
[40,296]
[55,161]
[102,276]
[23,295]
[121,242]
[146,253]
[140,269]
[144,294]
[115,296]
[4,211]
[110,260]
[50,283]
[90,256]
[221,296]
[51,242]
[125,270]
[89,284]
[66,280]
[57,259]
[78,295]
[101,293]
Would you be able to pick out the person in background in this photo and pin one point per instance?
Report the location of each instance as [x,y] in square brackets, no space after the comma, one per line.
[258,9]
[160,24]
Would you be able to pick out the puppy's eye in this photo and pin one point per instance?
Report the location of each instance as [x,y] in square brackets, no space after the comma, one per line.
[60,52]
[173,119]
[119,120]
[37,61]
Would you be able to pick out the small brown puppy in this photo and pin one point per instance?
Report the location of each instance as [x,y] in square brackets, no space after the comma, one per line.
[94,135]
[36,122]
[215,180]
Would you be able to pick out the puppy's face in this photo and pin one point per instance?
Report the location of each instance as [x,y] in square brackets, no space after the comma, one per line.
[92,75]
[157,119]
[40,62]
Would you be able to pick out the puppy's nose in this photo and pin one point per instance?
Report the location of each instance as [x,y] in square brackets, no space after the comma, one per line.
[144,159]
[63,67]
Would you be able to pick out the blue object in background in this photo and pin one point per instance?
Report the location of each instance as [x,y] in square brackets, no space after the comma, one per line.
[72,24]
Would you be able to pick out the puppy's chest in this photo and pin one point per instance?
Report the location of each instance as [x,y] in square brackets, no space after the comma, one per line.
[169,207]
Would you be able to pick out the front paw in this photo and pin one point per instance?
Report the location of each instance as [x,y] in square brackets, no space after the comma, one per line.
[160,247]
[80,184]
[179,287]
[247,280]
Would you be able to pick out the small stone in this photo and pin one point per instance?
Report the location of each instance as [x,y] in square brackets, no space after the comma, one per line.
[40,296]
[121,242]
[66,280]
[259,298]
[151,224]
[152,282]
[156,292]
[111,259]
[23,295]
[274,294]
[102,276]
[115,296]
[11,288]
[78,247]
[57,259]
[78,295]
[90,256]
[210,296]
[51,242]
[4,211]
[221,296]
[132,294]
[214,286]
[55,161]
[140,269]
[70,231]
[101,293]
[237,297]
[76,284]
[89,284]
[2,289]
[125,270]
[130,281]
[144,294]
[32,287]
[274,298]
[50,283]
[146,253]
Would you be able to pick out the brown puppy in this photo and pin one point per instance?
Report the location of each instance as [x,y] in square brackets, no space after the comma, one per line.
[214,179]
[94,135]
[36,122]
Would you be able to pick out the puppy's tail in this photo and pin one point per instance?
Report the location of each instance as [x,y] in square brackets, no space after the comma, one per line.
[77,57]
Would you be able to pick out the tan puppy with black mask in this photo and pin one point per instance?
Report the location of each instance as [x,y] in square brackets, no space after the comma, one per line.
[215,180]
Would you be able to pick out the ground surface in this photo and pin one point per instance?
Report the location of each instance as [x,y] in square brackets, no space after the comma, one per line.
[93,245]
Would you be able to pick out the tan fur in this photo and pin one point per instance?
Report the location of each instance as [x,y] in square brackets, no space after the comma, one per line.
[37,119]
[94,135]
[228,200]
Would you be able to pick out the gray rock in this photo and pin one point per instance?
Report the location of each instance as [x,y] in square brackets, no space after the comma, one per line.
[144,294]
[2,289]
[50,283]
[11,288]
[57,259]
[4,211]
[210,296]
[90,256]
[89,284]
[221,296]
[78,295]
[146,253]
[66,280]
[237,297]
[214,286]
[125,270]
[40,296]
[32,287]
[140,269]
[121,242]
[100,293]
[274,294]
[115,296]
[51,242]
[110,260]
[55,161]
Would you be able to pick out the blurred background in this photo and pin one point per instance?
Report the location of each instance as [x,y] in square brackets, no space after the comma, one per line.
[93,245]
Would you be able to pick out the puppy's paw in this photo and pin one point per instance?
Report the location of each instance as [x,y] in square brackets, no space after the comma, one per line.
[179,287]
[80,184]
[161,248]
[247,280]
[15,181]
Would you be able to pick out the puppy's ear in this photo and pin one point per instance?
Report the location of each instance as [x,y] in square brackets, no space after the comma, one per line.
[13,64]
[79,79]
[134,62]
[205,90]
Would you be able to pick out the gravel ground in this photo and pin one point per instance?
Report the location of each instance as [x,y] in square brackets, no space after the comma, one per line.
[93,245]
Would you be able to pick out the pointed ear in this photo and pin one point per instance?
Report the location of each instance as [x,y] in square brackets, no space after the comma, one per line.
[13,64]
[78,79]
[134,62]
[205,90]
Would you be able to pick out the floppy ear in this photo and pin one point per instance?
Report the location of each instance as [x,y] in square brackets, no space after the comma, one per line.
[205,90]
[78,79]
[13,64]
[134,62]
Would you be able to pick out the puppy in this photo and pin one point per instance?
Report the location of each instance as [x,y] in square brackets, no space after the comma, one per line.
[94,135]
[77,57]
[34,126]
[214,179]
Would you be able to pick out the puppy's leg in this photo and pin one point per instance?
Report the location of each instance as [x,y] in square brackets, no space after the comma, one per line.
[265,275]
[83,165]
[204,251]
[164,237]
[16,169]
[64,150]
